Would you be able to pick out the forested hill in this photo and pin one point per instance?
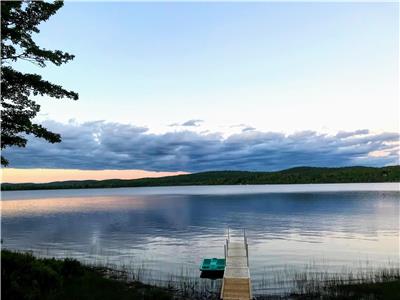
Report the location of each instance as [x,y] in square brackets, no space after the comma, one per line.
[289,176]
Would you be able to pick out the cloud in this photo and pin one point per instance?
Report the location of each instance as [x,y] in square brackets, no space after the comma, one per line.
[192,123]
[189,123]
[103,145]
[243,127]
[345,134]
[248,128]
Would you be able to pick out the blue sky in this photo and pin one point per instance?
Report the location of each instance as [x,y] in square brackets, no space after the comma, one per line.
[237,68]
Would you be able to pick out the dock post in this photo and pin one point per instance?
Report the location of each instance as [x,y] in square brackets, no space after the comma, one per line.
[225,251]
[247,254]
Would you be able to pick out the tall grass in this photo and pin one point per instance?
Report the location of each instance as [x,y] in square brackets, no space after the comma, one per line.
[290,281]
[322,283]
[184,281]
[311,279]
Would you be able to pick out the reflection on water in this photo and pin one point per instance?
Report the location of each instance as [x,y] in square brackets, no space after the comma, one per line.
[167,231]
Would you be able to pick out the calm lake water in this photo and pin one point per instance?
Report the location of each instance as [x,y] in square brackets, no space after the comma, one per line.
[166,231]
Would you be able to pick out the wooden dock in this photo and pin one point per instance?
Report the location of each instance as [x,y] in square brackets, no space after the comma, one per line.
[236,284]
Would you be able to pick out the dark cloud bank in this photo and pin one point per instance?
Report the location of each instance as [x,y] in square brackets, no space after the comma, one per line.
[102,145]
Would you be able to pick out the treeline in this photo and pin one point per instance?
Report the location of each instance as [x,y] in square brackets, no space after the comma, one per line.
[300,175]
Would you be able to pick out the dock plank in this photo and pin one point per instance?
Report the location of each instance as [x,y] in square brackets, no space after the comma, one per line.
[237,252]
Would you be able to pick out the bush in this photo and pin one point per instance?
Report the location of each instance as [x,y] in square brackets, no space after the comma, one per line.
[24,277]
[71,268]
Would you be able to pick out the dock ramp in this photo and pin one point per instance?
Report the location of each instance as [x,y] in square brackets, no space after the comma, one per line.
[236,284]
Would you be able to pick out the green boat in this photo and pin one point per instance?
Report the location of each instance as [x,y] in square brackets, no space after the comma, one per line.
[213,264]
[212,268]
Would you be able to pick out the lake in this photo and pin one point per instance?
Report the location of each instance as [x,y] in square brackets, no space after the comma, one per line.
[164,232]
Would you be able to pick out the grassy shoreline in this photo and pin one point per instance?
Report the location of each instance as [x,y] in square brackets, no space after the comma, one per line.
[301,175]
[25,276]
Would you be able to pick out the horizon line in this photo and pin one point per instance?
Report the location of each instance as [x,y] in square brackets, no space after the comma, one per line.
[149,174]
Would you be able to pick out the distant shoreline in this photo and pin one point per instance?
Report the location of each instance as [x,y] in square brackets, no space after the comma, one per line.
[300,175]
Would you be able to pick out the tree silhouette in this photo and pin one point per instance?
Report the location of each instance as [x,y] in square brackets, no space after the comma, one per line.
[19,20]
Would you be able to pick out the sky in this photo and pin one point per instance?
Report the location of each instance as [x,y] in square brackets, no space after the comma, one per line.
[189,87]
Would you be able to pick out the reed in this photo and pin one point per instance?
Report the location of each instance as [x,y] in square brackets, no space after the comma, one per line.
[311,280]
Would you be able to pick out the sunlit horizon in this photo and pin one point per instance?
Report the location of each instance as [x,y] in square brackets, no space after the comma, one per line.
[13,175]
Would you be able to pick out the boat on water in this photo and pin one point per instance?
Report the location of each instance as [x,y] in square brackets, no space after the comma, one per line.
[212,268]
